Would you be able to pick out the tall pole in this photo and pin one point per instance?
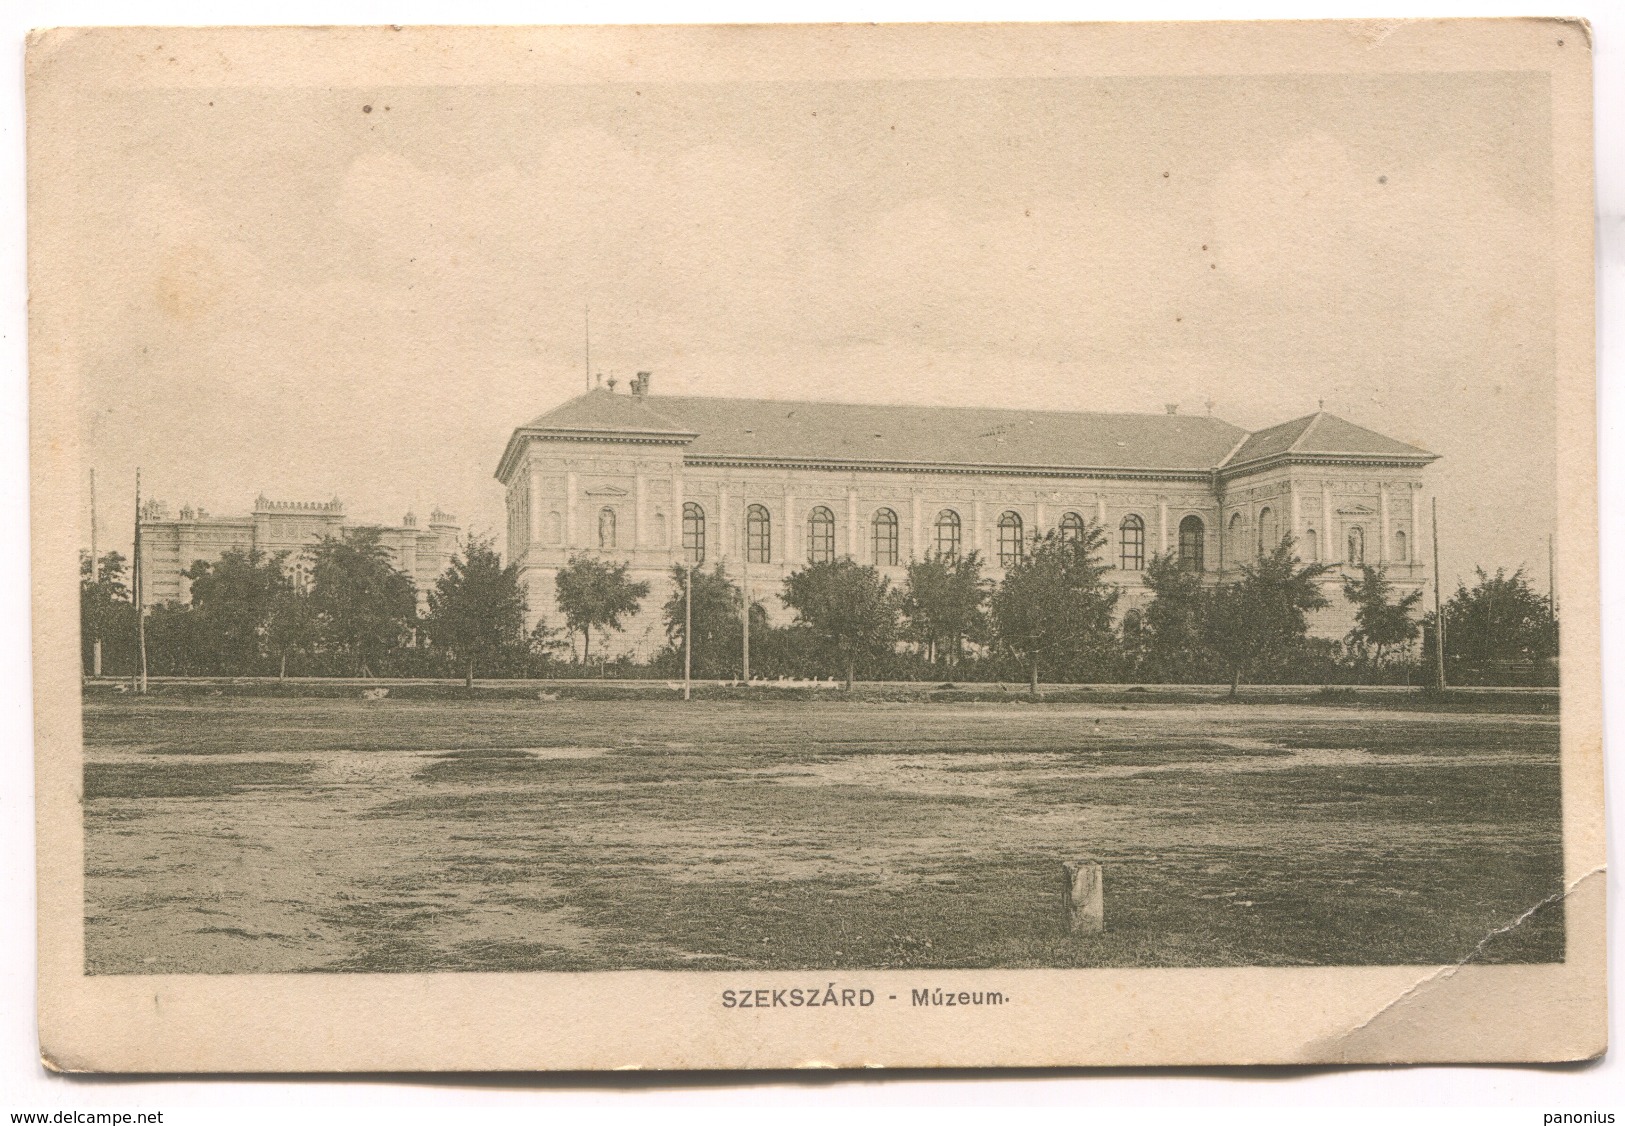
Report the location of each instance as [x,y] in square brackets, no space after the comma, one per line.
[745,651]
[140,577]
[586,342]
[1438,604]
[688,629]
[1551,575]
[95,577]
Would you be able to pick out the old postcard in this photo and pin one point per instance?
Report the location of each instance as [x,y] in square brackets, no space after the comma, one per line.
[839,546]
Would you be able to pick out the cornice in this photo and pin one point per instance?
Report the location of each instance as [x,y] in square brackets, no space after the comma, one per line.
[1368,461]
[1212,476]
[576,434]
[840,465]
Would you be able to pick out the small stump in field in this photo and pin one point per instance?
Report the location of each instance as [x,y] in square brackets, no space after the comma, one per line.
[1083,897]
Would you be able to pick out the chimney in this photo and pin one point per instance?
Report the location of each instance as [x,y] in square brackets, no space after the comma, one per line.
[640,385]
[1171,408]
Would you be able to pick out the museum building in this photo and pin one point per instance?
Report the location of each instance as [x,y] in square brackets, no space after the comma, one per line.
[766,486]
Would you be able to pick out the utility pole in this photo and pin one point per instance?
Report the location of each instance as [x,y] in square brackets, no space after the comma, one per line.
[745,651]
[95,577]
[1438,604]
[1551,575]
[688,629]
[139,578]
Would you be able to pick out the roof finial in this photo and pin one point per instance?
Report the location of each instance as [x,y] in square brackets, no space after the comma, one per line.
[1209,404]
[1322,403]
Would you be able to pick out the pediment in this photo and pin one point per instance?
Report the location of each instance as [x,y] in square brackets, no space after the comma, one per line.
[1357,510]
[607,491]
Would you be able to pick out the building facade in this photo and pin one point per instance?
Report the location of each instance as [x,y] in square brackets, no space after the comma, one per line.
[765,487]
[171,544]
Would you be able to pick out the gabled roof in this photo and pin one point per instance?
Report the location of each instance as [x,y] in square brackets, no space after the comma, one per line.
[771,431]
[1320,435]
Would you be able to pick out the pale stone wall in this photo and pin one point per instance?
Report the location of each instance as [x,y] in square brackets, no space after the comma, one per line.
[170,545]
[624,502]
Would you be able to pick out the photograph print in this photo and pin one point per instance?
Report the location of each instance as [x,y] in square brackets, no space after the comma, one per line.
[836,519]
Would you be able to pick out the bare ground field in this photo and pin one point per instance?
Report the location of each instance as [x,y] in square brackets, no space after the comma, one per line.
[263,835]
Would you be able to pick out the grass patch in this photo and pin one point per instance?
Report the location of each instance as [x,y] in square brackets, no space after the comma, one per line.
[186,780]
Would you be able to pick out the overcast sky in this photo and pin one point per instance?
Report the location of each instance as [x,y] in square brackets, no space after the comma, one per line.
[290,294]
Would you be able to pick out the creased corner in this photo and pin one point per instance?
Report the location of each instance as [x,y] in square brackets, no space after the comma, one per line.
[1351,1045]
[1579,25]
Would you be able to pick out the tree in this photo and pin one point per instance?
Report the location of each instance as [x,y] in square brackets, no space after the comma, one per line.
[945,601]
[1499,619]
[1261,621]
[717,626]
[233,598]
[847,606]
[477,608]
[366,606]
[1380,622]
[545,642]
[179,643]
[593,594]
[106,611]
[1055,605]
[294,627]
[1172,627]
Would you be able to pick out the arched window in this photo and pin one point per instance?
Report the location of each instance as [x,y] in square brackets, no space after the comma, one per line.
[1236,529]
[1192,537]
[947,529]
[1401,548]
[1357,546]
[1268,541]
[1311,546]
[884,538]
[1131,535]
[606,527]
[1010,540]
[1071,528]
[758,535]
[693,533]
[820,535]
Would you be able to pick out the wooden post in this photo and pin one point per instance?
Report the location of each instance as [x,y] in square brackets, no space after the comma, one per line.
[1438,606]
[688,629]
[744,672]
[139,579]
[1083,897]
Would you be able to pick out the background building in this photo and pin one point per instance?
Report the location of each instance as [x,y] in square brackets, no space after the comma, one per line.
[169,545]
[767,486]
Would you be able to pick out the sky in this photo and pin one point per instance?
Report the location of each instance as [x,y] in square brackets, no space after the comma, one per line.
[307,292]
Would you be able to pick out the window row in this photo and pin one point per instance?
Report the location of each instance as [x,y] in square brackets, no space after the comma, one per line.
[946,538]
[1269,536]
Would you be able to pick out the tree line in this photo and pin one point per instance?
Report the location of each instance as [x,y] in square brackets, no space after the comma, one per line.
[1053,616]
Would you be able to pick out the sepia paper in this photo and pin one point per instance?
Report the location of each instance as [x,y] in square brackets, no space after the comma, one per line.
[1294,221]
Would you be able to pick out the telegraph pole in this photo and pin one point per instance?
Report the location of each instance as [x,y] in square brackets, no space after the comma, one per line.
[688,629]
[1438,605]
[95,577]
[1551,575]
[139,578]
